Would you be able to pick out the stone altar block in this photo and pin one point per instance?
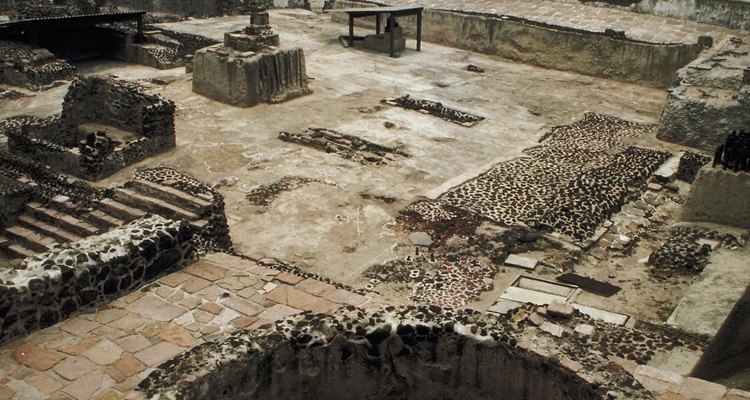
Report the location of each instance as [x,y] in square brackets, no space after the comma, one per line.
[250,68]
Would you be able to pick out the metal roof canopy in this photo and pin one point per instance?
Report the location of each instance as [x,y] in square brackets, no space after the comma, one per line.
[33,26]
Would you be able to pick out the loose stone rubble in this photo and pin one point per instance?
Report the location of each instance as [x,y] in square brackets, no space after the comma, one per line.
[687,249]
[434,108]
[264,195]
[347,146]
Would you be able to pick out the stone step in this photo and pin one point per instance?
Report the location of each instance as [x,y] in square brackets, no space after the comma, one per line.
[103,219]
[120,210]
[15,250]
[152,204]
[61,235]
[172,195]
[29,239]
[100,220]
[61,219]
[199,224]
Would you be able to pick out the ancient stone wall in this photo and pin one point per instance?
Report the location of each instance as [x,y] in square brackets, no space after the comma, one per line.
[36,69]
[729,13]
[206,8]
[710,98]
[102,100]
[268,77]
[719,196]
[118,103]
[566,49]
[391,353]
[71,277]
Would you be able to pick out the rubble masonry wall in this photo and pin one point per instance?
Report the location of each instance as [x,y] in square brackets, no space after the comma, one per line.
[70,277]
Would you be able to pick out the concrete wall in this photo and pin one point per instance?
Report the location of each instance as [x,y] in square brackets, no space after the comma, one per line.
[719,196]
[74,276]
[588,53]
[729,13]
[729,352]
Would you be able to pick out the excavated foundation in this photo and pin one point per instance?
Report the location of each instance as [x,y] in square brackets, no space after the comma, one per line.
[387,354]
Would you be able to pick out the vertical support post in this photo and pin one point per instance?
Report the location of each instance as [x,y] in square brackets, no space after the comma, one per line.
[377,24]
[351,30]
[391,36]
[419,31]
[33,37]
[139,36]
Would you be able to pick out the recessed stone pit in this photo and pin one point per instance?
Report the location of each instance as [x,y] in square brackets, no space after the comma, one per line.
[403,353]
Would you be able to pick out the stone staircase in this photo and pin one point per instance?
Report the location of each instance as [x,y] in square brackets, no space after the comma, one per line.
[40,226]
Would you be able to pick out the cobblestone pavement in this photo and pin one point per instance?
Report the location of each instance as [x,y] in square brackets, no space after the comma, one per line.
[645,27]
[104,353]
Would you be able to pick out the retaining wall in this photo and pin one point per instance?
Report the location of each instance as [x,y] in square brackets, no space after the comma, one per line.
[566,49]
[71,277]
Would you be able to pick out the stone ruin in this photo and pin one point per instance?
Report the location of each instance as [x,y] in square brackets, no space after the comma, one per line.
[66,246]
[21,65]
[105,125]
[249,68]
[420,353]
[721,189]
[711,97]
[51,286]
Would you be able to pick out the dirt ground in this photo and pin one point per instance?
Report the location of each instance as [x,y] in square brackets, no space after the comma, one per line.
[341,220]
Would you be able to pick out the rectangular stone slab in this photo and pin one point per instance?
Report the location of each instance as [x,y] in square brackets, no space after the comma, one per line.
[522,262]
[588,284]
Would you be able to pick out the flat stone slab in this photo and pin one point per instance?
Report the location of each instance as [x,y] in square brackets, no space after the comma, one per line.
[515,260]
[420,239]
[667,171]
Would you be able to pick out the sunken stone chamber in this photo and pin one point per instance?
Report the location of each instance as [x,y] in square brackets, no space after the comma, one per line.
[407,353]
[49,287]
[105,125]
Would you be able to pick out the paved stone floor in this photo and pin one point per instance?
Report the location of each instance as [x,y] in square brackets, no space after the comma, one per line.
[104,353]
[646,27]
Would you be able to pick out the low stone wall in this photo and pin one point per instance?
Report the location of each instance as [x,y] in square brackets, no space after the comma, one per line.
[391,353]
[246,79]
[36,69]
[729,13]
[120,104]
[71,277]
[566,49]
[719,196]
